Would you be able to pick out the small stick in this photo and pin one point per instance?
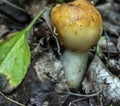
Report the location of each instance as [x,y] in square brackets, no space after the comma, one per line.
[73,102]
[81,95]
[20,104]
[12,5]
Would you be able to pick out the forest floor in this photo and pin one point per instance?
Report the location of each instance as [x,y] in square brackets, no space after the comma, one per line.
[45,83]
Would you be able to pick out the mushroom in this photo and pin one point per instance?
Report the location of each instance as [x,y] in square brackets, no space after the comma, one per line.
[78,26]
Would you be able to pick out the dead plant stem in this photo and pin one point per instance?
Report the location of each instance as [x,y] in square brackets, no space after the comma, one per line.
[20,104]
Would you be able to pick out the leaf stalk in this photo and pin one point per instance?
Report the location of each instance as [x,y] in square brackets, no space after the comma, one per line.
[29,27]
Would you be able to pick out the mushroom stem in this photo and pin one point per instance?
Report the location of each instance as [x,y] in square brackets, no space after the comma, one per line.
[74,65]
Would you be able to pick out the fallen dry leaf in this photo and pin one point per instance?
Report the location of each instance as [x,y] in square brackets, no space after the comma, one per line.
[99,78]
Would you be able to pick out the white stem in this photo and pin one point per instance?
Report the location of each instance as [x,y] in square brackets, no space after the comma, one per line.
[74,66]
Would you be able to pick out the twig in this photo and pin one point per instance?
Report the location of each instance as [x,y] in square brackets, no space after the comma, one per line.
[20,104]
[81,95]
[106,51]
[85,96]
[108,48]
[72,102]
[12,5]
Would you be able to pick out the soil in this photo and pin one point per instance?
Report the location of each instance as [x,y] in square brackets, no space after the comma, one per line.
[45,83]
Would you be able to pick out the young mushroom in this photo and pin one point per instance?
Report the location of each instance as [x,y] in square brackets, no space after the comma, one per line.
[79,26]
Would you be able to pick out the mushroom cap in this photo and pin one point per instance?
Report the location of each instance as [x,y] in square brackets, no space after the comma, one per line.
[78,24]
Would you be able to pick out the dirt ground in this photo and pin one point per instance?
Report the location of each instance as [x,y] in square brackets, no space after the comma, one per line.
[45,83]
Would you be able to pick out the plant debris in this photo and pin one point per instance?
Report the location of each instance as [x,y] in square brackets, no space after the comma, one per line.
[45,83]
[99,78]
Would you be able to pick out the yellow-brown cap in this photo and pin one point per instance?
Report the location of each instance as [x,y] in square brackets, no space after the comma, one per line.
[78,24]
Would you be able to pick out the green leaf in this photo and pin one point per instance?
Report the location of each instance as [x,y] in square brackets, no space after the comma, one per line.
[15,58]
[60,1]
